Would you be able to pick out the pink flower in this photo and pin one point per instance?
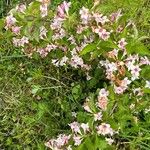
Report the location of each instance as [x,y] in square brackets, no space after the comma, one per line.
[63,8]
[105,129]
[56,23]
[115,16]
[43,9]
[102,33]
[76,61]
[75,126]
[122,43]
[16,29]
[20,42]
[51,144]
[10,21]
[50,47]
[144,61]
[56,144]
[135,71]
[24,40]
[102,102]
[77,140]
[86,107]
[98,116]
[119,89]
[125,82]
[103,93]
[99,18]
[21,8]
[42,52]
[62,140]
[85,15]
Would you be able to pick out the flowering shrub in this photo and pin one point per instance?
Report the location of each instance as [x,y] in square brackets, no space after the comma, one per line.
[100,46]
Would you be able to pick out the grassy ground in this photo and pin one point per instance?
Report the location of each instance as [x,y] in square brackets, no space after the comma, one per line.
[35,98]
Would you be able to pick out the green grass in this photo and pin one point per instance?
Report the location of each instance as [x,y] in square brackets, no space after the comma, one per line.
[35,98]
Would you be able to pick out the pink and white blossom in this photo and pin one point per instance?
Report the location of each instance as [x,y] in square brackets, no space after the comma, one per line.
[85,127]
[63,9]
[16,29]
[99,18]
[105,129]
[85,15]
[44,10]
[10,21]
[98,116]
[109,140]
[103,93]
[43,32]
[21,8]
[75,126]
[122,43]
[77,140]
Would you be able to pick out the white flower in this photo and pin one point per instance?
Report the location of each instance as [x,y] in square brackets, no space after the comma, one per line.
[55,62]
[63,8]
[103,93]
[85,15]
[135,71]
[75,126]
[43,9]
[56,23]
[98,116]
[69,147]
[125,82]
[86,106]
[50,47]
[43,32]
[63,61]
[105,129]
[85,127]
[144,61]
[147,110]
[99,18]
[112,67]
[62,140]
[138,91]
[76,61]
[74,114]
[77,140]
[109,140]
[147,84]
[119,89]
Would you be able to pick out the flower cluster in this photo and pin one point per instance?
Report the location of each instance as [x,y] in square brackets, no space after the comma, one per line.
[91,41]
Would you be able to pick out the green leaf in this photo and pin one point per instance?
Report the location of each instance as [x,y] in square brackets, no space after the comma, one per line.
[89,144]
[137,47]
[146,90]
[76,91]
[145,73]
[87,49]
